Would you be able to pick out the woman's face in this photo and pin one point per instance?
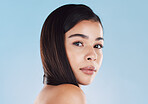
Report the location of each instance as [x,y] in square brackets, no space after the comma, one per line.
[83,45]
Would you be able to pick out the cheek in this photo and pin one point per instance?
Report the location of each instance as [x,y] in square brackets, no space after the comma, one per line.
[74,56]
[100,58]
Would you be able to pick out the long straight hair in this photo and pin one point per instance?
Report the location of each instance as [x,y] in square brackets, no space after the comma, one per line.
[57,69]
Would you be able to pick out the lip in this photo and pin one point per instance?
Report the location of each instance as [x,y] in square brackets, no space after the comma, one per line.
[89,70]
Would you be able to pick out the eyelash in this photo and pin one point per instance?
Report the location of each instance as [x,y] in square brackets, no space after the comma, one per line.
[75,43]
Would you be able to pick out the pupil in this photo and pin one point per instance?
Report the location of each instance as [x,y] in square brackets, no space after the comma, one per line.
[98,46]
[79,44]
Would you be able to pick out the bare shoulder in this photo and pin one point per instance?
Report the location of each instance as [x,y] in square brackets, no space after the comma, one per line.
[43,96]
[69,94]
[61,94]
[69,87]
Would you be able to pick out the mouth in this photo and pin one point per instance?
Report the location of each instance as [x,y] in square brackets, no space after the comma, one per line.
[89,70]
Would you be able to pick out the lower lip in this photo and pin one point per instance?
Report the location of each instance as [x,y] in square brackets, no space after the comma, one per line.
[88,72]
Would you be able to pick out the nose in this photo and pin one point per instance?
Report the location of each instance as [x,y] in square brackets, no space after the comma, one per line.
[91,55]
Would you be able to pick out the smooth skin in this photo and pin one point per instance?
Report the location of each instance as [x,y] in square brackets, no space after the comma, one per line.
[82,50]
[61,94]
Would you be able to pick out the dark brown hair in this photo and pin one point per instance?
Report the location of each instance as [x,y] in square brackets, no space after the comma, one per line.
[57,69]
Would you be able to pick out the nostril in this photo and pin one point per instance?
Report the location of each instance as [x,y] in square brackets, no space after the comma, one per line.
[89,58]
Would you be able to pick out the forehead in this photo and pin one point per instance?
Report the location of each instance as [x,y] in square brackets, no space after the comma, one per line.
[90,28]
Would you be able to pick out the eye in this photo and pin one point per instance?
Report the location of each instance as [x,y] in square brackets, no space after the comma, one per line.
[99,46]
[78,43]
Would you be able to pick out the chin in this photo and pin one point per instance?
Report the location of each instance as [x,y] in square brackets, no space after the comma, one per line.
[85,82]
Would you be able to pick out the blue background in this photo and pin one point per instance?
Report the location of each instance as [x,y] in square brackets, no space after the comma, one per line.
[122,78]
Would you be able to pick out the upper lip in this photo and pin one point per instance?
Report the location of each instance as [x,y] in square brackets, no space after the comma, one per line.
[89,68]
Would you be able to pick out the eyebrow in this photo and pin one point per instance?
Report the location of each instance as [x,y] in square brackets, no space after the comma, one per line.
[84,36]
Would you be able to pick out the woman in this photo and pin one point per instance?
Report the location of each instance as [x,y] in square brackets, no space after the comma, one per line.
[71,51]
